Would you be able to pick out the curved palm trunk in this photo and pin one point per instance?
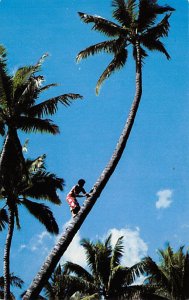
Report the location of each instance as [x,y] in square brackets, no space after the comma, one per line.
[63,243]
[7,295]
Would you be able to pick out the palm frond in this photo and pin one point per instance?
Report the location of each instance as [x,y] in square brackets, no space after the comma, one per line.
[155,275]
[102,25]
[158,31]
[117,63]
[124,12]
[148,11]
[50,107]
[5,80]
[106,46]
[31,124]
[3,218]
[186,275]
[117,253]
[90,254]
[43,214]
[16,281]
[29,93]
[44,185]
[155,45]
[70,267]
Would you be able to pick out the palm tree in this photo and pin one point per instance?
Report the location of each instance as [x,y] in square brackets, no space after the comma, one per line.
[62,286]
[42,185]
[139,29]
[14,281]
[19,110]
[171,276]
[107,278]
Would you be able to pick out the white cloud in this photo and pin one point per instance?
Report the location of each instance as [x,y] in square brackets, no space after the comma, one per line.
[75,252]
[134,246]
[38,242]
[164,198]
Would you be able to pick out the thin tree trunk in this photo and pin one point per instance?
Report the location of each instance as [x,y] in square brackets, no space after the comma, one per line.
[63,243]
[8,242]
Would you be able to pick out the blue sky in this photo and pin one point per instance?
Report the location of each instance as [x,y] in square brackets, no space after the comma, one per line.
[146,199]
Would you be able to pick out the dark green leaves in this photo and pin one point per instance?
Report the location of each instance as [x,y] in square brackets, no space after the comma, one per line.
[100,24]
[148,11]
[3,218]
[124,12]
[117,63]
[43,214]
[50,107]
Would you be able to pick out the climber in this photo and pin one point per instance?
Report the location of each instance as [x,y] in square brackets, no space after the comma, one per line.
[75,192]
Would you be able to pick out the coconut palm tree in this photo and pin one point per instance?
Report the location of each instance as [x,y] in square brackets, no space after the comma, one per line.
[19,110]
[170,276]
[138,27]
[42,185]
[14,281]
[106,278]
[62,286]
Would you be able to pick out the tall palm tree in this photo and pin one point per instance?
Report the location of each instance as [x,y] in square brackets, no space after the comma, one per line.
[107,278]
[170,276]
[42,185]
[19,110]
[14,281]
[138,27]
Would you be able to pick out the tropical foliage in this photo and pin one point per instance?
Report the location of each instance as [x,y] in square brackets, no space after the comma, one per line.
[137,25]
[107,278]
[14,281]
[170,277]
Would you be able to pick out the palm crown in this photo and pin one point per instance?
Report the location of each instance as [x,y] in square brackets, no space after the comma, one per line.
[42,185]
[107,277]
[18,96]
[137,24]
[19,110]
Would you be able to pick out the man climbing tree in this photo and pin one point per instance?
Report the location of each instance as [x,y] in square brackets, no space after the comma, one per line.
[75,192]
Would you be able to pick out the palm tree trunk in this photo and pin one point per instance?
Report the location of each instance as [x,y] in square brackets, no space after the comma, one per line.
[63,243]
[7,255]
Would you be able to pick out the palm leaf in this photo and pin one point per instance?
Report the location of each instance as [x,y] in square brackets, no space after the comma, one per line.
[160,30]
[78,270]
[29,93]
[44,185]
[43,214]
[102,25]
[16,281]
[3,218]
[29,124]
[155,274]
[90,254]
[117,63]
[154,45]
[117,253]
[106,46]
[49,107]
[124,12]
[5,80]
[148,11]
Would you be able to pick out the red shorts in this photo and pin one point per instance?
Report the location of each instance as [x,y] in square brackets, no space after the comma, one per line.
[72,202]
